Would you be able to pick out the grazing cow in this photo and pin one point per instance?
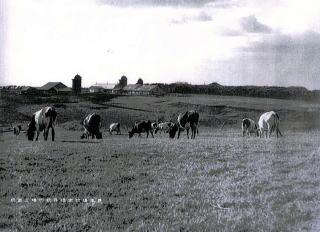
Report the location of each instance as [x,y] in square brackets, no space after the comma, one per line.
[249,126]
[92,125]
[114,127]
[268,122]
[142,126]
[189,119]
[16,130]
[163,127]
[42,120]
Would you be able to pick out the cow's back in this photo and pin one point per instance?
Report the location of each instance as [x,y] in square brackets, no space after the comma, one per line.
[40,119]
[267,118]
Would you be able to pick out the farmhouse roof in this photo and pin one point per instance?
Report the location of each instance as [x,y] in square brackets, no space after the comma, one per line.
[26,88]
[51,85]
[147,88]
[131,87]
[102,85]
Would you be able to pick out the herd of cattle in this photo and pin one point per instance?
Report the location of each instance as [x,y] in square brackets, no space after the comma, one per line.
[45,119]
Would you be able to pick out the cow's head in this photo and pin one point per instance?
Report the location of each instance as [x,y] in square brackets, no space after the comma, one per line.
[134,130]
[31,129]
[130,134]
[173,130]
[99,135]
[154,125]
[51,113]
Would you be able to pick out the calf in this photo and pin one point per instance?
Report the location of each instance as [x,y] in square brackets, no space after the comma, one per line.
[164,127]
[17,130]
[42,120]
[114,127]
[140,127]
[269,122]
[92,125]
[249,126]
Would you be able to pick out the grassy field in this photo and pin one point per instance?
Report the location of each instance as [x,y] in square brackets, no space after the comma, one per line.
[218,182]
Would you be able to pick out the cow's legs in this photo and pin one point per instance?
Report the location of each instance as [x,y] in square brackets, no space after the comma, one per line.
[188,133]
[278,131]
[38,132]
[46,133]
[52,133]
[151,134]
[179,131]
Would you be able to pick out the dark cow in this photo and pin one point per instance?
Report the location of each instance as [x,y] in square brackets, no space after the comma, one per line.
[92,125]
[142,126]
[249,126]
[42,120]
[189,119]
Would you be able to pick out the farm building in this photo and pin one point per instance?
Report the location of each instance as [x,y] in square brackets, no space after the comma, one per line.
[137,89]
[102,88]
[76,84]
[55,88]
[131,89]
[28,90]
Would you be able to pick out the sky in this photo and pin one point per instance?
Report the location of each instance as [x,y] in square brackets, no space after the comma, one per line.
[232,42]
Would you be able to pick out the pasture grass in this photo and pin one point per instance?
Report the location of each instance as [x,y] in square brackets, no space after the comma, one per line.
[218,182]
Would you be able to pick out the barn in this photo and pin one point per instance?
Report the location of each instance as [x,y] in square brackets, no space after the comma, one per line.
[55,88]
[137,89]
[102,88]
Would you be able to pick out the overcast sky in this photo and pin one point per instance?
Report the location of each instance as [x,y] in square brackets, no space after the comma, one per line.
[232,42]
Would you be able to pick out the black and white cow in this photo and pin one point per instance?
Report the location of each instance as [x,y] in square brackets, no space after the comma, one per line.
[42,120]
[163,127]
[269,122]
[189,119]
[141,127]
[114,127]
[248,127]
[92,125]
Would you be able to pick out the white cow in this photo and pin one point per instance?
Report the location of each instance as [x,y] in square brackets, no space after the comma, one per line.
[114,127]
[164,127]
[269,122]
[249,126]
[42,120]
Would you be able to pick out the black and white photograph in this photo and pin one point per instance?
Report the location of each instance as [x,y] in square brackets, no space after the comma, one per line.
[159,115]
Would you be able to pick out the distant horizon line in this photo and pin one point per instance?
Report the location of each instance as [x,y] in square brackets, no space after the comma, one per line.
[177,82]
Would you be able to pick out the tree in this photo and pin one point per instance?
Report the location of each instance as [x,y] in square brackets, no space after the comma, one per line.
[122,82]
[140,82]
